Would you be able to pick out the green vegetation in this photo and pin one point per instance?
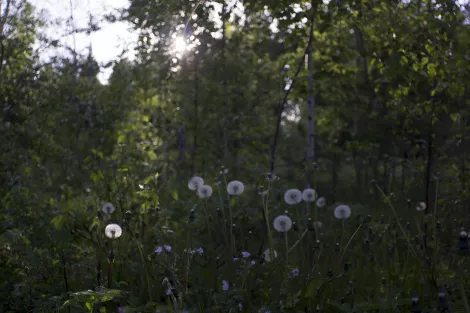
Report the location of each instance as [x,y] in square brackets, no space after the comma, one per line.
[365,101]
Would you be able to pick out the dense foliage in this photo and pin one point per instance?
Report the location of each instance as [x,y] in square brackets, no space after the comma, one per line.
[365,101]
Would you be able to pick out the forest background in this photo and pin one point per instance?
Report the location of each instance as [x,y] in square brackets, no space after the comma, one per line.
[366,101]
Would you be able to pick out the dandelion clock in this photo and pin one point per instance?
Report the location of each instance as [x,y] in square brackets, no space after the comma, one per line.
[235,188]
[113,231]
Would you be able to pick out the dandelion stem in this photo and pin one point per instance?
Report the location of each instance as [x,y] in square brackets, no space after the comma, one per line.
[341,242]
[347,245]
[268,227]
[287,251]
[143,262]
[398,220]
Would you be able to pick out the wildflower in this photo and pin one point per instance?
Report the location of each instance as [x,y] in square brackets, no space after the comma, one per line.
[321,202]
[309,195]
[168,292]
[282,223]
[252,263]
[463,241]
[113,231]
[293,196]
[235,188]
[246,254]
[200,251]
[108,208]
[295,272]
[195,182]
[235,259]
[342,212]
[240,306]
[267,255]
[159,250]
[224,285]
[421,207]
[167,248]
[204,192]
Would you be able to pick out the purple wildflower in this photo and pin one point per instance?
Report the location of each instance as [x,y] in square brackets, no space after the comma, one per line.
[240,306]
[159,250]
[235,259]
[224,285]
[167,248]
[246,254]
[200,251]
[295,272]
[168,292]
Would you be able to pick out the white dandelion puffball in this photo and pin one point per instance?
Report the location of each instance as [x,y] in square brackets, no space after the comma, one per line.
[113,231]
[321,202]
[342,212]
[204,192]
[282,223]
[235,188]
[195,182]
[108,208]
[309,195]
[267,255]
[317,224]
[293,196]
[421,207]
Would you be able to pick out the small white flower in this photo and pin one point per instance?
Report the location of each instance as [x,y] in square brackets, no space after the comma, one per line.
[113,231]
[204,192]
[421,207]
[195,182]
[108,208]
[267,255]
[463,234]
[293,196]
[235,188]
[282,223]
[321,202]
[342,212]
[317,224]
[309,195]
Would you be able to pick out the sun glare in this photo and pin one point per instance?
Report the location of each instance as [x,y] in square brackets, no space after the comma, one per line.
[180,44]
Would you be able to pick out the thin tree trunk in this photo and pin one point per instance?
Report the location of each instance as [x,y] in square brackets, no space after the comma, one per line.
[224,82]
[196,108]
[311,98]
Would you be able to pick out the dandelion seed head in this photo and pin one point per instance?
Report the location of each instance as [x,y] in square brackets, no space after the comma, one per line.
[113,231]
[321,202]
[195,182]
[293,196]
[267,255]
[421,207]
[204,192]
[282,223]
[108,208]
[309,195]
[342,212]
[235,188]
